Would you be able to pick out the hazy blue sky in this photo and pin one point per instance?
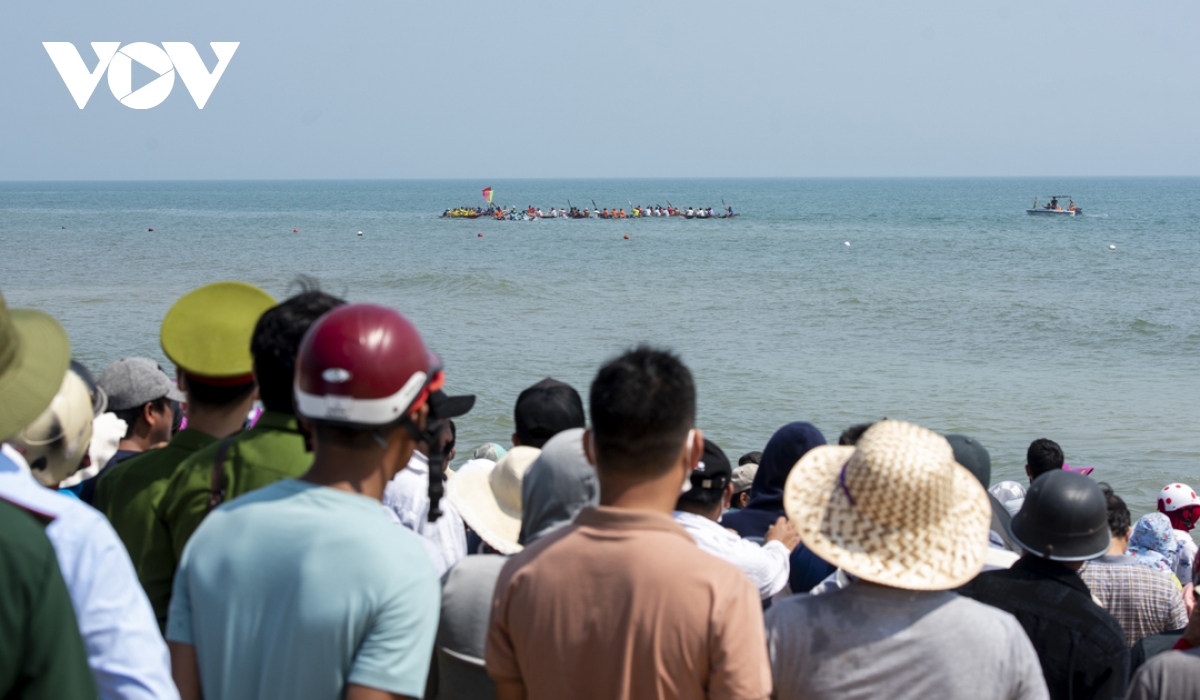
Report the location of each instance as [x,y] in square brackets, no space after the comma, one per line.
[532,88]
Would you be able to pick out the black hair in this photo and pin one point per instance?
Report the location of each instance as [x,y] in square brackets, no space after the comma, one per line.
[704,498]
[643,403]
[1043,456]
[1119,519]
[131,416]
[215,395]
[750,458]
[546,409]
[850,436]
[276,342]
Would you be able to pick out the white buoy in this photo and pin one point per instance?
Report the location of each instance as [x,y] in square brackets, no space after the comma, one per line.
[360,233]
[1112,247]
[847,244]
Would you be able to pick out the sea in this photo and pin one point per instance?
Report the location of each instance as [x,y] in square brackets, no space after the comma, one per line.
[834,301]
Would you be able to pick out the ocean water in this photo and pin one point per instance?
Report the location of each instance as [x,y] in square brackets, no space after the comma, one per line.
[950,307]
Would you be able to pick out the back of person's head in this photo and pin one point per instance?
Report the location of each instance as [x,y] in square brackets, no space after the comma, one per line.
[558,485]
[783,450]
[215,396]
[1043,456]
[643,403]
[850,436]
[754,457]
[709,480]
[1065,518]
[1119,520]
[277,339]
[974,456]
[545,410]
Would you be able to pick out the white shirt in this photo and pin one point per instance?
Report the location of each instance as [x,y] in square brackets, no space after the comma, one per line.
[767,566]
[407,496]
[126,653]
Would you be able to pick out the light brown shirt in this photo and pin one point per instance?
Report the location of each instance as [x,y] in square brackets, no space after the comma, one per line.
[622,604]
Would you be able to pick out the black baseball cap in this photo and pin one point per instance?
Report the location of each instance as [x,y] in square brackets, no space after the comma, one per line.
[545,410]
[443,406]
[714,470]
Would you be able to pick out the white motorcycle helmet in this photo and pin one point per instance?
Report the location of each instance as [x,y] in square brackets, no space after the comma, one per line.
[55,443]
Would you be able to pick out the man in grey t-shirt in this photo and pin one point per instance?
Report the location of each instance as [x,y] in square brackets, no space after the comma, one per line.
[909,523]
[868,641]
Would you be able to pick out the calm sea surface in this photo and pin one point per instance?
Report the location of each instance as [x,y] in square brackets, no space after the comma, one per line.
[950,307]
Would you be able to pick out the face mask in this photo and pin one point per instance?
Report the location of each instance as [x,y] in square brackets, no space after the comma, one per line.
[687,446]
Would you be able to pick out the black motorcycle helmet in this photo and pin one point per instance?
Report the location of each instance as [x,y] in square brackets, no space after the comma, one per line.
[1065,518]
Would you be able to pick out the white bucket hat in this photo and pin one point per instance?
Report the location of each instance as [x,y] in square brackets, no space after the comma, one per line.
[896,509]
[488,497]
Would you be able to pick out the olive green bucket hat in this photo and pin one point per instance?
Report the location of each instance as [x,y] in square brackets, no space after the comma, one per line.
[34,355]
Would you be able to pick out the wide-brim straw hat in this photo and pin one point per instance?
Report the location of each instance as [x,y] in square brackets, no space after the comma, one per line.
[489,497]
[34,356]
[896,509]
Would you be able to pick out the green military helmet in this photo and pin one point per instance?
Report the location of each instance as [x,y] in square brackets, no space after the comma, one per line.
[207,332]
[34,354]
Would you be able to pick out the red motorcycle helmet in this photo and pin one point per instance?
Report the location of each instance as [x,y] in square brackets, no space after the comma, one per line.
[364,366]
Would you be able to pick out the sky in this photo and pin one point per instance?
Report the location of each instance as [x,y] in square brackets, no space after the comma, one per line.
[646,88]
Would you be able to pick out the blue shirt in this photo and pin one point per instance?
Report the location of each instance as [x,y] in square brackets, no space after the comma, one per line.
[125,651]
[295,590]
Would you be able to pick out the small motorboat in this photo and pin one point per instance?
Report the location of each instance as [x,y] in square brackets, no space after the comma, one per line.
[1054,208]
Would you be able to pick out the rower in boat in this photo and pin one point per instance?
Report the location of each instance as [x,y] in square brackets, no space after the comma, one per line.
[1054,208]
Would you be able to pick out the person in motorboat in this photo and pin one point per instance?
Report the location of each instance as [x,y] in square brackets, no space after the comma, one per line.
[1053,203]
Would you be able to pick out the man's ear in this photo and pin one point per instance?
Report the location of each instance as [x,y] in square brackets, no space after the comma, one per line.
[589,447]
[728,499]
[697,449]
[420,416]
[516,441]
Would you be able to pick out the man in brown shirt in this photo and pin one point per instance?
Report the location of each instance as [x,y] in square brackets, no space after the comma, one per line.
[621,603]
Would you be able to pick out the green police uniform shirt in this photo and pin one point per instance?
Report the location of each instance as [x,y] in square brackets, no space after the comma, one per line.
[42,654]
[297,590]
[272,450]
[129,492]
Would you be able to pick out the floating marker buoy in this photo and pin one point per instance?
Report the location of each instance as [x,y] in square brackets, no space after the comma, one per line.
[150,229]
[480,235]
[847,244]
[627,236]
[295,230]
[1112,247]
[360,233]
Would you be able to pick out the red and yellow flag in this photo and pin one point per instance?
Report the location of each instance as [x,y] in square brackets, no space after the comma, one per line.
[487,194]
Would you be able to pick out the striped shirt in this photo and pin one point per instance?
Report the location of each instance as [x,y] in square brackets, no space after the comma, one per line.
[1144,601]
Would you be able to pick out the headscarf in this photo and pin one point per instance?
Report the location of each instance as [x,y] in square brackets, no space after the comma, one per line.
[558,485]
[1152,542]
[783,450]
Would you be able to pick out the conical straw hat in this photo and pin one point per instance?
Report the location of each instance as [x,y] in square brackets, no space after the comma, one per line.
[896,509]
[489,497]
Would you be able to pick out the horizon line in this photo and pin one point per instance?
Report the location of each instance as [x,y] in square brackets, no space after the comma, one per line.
[615,178]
